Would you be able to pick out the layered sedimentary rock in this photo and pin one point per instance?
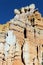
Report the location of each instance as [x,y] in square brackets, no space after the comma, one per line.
[21,39]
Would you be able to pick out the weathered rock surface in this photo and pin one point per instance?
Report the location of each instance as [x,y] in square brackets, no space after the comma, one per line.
[21,39]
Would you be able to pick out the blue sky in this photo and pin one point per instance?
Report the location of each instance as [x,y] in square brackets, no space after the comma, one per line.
[7,8]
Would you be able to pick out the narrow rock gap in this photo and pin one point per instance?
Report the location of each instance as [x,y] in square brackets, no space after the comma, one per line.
[22,55]
[37,52]
[42,45]
[32,22]
[33,63]
[25,33]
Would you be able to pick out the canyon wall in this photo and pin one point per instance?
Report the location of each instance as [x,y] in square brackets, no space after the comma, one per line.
[21,38]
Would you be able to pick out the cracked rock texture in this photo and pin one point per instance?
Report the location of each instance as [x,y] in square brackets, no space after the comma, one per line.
[21,38]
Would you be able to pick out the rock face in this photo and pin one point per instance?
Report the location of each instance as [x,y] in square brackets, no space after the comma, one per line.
[21,39]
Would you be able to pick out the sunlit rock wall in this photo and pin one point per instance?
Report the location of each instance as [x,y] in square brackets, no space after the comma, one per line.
[21,38]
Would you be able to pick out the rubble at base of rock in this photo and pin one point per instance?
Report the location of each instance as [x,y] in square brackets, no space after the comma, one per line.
[21,39]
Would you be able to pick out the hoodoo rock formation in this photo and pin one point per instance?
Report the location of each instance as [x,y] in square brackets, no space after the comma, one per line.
[21,38]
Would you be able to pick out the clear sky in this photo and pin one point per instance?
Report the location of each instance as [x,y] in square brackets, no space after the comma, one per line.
[7,8]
